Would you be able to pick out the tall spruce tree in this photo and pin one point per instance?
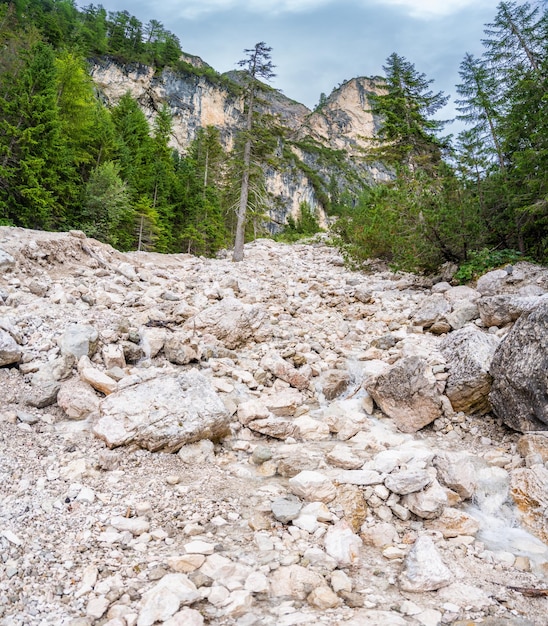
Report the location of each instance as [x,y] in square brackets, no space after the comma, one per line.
[257,65]
[409,132]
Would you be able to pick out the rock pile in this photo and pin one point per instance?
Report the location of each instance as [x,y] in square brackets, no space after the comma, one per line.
[280,441]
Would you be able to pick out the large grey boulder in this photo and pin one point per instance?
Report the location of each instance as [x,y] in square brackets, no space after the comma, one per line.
[432,309]
[231,321]
[164,413]
[506,308]
[469,353]
[519,394]
[407,393]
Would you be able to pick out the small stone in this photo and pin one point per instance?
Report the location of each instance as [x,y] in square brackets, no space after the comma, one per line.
[135,525]
[186,563]
[323,598]
[97,607]
[423,568]
[286,509]
[342,544]
[199,547]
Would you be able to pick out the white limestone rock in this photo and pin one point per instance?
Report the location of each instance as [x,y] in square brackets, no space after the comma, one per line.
[424,569]
[312,486]
[408,481]
[427,504]
[231,322]
[10,352]
[408,393]
[456,471]
[165,598]
[79,340]
[342,544]
[294,581]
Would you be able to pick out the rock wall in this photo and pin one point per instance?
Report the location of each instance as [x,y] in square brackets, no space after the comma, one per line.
[343,123]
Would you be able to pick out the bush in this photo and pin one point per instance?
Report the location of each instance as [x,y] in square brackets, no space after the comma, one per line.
[481,261]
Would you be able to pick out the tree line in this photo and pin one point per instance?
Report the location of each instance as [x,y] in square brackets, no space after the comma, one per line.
[482,195]
[68,161]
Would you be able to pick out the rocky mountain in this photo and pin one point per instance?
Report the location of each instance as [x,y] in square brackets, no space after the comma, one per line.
[322,147]
[280,441]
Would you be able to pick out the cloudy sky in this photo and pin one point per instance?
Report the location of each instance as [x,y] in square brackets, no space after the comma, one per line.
[317,44]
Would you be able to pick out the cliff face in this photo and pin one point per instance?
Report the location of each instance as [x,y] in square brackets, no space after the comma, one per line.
[323,148]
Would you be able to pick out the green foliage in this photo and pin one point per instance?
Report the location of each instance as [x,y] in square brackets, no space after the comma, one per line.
[483,260]
[106,207]
[416,222]
[304,226]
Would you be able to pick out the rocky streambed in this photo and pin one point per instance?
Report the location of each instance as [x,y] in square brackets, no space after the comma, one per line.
[282,441]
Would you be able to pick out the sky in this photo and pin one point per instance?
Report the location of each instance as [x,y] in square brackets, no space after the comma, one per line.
[318,44]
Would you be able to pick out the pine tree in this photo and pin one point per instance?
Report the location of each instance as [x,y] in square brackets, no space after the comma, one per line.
[480,105]
[408,131]
[107,207]
[258,64]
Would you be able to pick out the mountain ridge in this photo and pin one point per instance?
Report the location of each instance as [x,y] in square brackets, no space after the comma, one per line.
[322,145]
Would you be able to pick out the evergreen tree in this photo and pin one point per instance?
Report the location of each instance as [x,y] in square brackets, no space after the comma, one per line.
[408,131]
[203,229]
[257,65]
[107,207]
[480,105]
[36,173]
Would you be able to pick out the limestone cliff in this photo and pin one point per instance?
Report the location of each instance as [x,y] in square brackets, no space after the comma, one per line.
[323,150]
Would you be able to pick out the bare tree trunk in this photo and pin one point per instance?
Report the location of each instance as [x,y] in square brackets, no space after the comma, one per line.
[238,254]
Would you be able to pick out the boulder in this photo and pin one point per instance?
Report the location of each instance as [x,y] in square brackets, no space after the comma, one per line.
[457,472]
[469,352]
[231,321]
[407,393]
[294,581]
[7,262]
[165,598]
[463,313]
[506,308]
[182,347]
[427,504]
[529,492]
[334,382]
[45,383]
[164,413]
[432,309]
[273,362]
[342,544]
[453,523]
[408,481]
[492,282]
[534,444]
[312,486]
[519,370]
